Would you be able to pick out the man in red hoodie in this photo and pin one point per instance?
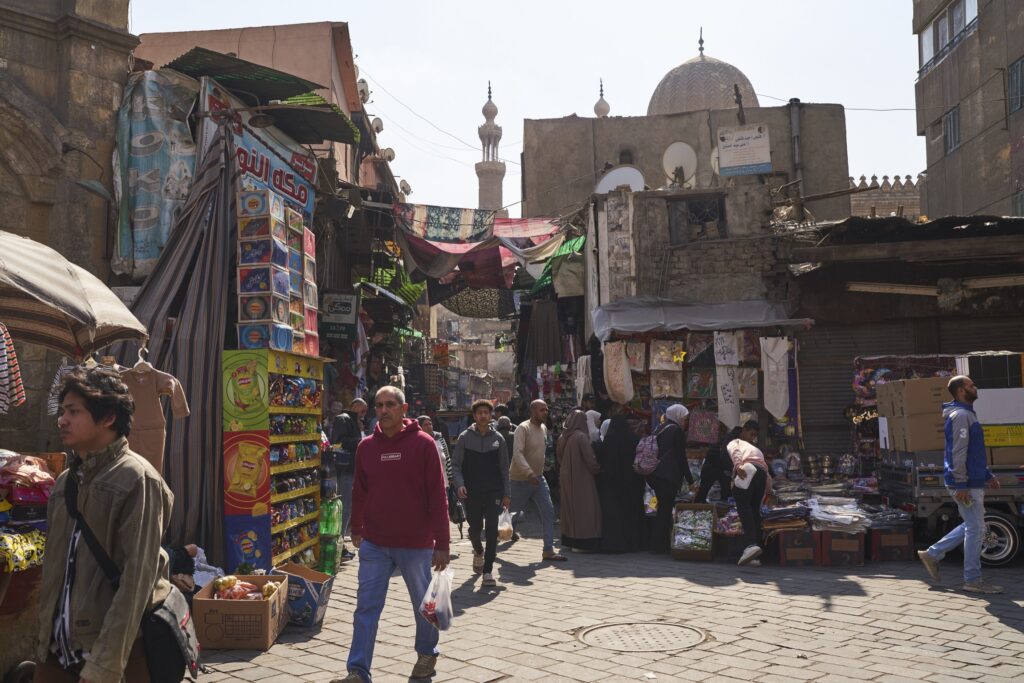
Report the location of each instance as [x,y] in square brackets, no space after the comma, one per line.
[399,520]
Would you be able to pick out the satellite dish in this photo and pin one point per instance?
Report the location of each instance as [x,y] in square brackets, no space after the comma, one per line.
[679,162]
[621,175]
[387,154]
[405,187]
[378,125]
[363,88]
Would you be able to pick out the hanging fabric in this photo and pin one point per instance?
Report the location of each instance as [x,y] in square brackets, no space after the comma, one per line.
[617,377]
[728,396]
[544,343]
[147,385]
[727,348]
[746,382]
[12,390]
[636,353]
[775,364]
[583,383]
[53,400]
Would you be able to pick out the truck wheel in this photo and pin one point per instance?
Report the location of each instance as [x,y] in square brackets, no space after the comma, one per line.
[1002,540]
[23,673]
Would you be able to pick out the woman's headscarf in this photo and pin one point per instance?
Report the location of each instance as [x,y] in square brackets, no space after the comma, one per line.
[676,413]
[604,428]
[593,420]
[575,427]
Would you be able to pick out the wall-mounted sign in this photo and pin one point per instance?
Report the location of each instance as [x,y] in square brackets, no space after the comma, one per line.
[744,150]
[339,315]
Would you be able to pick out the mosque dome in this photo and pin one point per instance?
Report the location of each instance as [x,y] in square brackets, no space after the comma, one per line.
[602,107]
[700,83]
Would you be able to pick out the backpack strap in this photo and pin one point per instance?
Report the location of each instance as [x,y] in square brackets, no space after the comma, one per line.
[71,503]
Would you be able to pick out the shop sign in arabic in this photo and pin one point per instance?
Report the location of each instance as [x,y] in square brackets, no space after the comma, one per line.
[744,150]
[338,316]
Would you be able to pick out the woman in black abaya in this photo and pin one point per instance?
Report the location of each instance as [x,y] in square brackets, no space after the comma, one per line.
[620,489]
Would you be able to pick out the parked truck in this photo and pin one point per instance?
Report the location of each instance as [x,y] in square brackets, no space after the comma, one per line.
[913,481]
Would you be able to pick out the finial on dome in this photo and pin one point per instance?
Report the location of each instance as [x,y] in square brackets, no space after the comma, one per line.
[602,108]
[488,90]
[700,42]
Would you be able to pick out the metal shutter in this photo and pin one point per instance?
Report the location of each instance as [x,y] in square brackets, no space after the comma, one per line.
[825,358]
[963,335]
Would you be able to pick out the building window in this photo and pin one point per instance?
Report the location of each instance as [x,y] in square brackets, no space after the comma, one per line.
[1015,86]
[957,20]
[1018,203]
[696,218]
[626,156]
[951,129]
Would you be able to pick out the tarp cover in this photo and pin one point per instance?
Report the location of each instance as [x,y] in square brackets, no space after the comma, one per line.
[647,314]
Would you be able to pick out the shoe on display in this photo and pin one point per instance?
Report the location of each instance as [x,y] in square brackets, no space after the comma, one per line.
[424,667]
[478,562]
[982,587]
[752,552]
[489,580]
[930,563]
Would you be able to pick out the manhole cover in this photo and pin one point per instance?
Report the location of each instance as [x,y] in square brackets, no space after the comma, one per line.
[642,637]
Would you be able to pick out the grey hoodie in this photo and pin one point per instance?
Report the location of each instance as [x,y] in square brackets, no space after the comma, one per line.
[474,445]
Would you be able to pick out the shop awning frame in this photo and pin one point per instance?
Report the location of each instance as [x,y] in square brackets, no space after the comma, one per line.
[649,314]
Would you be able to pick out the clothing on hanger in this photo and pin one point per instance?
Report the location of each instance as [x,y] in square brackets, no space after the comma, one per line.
[146,385]
[53,400]
[12,390]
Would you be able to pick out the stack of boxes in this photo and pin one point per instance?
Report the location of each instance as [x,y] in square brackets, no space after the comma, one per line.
[277,297]
[913,412]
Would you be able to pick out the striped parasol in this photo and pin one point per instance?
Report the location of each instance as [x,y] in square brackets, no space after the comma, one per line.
[47,300]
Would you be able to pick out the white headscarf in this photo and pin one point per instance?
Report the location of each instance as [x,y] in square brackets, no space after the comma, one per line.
[604,428]
[677,413]
[593,419]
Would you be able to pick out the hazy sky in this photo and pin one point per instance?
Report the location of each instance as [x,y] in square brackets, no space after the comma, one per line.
[545,59]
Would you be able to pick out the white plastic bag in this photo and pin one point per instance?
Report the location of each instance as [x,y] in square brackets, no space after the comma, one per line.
[505,526]
[436,605]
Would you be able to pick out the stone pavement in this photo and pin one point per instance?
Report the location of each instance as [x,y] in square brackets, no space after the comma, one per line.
[881,622]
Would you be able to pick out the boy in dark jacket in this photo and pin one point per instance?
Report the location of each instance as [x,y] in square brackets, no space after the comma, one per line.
[480,465]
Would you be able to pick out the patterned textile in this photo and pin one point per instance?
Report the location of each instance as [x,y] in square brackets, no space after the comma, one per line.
[617,377]
[12,389]
[775,364]
[750,347]
[483,303]
[746,383]
[666,384]
[53,401]
[700,348]
[728,396]
[636,354]
[703,426]
[727,348]
[658,409]
[21,551]
[700,383]
[445,223]
[667,355]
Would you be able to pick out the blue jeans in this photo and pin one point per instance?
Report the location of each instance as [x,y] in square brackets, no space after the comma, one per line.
[969,534]
[376,564]
[522,493]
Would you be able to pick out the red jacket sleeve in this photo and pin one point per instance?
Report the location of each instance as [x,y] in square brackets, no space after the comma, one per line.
[359,489]
[437,497]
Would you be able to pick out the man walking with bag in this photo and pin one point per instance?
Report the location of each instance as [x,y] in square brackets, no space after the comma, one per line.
[399,520]
[967,476]
[480,476]
[107,513]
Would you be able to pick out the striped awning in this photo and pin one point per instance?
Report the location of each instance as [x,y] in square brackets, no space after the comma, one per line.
[47,300]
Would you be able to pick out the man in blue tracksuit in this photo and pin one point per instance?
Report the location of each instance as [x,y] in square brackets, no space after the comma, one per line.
[967,475]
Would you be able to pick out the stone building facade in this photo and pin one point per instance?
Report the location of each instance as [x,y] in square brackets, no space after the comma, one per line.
[898,197]
[63,65]
[970,105]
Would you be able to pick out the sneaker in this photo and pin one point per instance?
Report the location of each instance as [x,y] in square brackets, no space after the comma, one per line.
[980,586]
[424,667]
[930,563]
[754,563]
[751,553]
[554,557]
[353,677]
[478,562]
[489,580]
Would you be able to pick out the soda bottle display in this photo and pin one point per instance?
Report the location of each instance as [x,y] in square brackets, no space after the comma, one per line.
[328,477]
[328,556]
[328,522]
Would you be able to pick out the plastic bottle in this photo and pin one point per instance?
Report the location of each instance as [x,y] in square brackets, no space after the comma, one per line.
[328,527]
[328,556]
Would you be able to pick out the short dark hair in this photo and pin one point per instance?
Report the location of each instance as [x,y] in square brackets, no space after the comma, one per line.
[104,394]
[752,424]
[501,409]
[482,403]
[956,384]
[423,418]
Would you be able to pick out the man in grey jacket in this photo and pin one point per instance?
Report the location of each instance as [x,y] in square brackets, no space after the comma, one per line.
[480,465]
[967,475]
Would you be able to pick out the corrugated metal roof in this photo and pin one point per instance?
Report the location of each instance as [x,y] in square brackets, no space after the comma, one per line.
[317,121]
[237,74]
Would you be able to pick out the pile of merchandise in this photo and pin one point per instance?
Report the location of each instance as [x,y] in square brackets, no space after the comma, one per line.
[692,529]
[25,485]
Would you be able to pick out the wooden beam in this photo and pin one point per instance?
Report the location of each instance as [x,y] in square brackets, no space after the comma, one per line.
[962,249]
[887,288]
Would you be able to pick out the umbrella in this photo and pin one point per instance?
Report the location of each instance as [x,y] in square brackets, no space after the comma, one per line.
[47,300]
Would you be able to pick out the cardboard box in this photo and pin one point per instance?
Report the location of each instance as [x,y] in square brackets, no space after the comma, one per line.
[309,269]
[264,336]
[1003,435]
[309,592]
[309,296]
[312,344]
[294,220]
[312,320]
[1000,406]
[265,279]
[298,343]
[308,242]
[919,396]
[260,203]
[918,432]
[261,251]
[883,399]
[294,241]
[241,624]
[262,226]
[797,548]
[297,322]
[838,549]
[294,260]
[295,282]
[263,308]
[891,545]
[1006,456]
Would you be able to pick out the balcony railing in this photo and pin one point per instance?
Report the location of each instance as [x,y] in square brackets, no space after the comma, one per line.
[949,47]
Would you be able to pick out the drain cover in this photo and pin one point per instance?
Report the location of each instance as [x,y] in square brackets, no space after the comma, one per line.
[642,637]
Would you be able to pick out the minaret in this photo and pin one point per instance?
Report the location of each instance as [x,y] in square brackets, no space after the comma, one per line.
[491,170]
[602,108]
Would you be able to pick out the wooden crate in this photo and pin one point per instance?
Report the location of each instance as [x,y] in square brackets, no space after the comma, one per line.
[891,545]
[838,549]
